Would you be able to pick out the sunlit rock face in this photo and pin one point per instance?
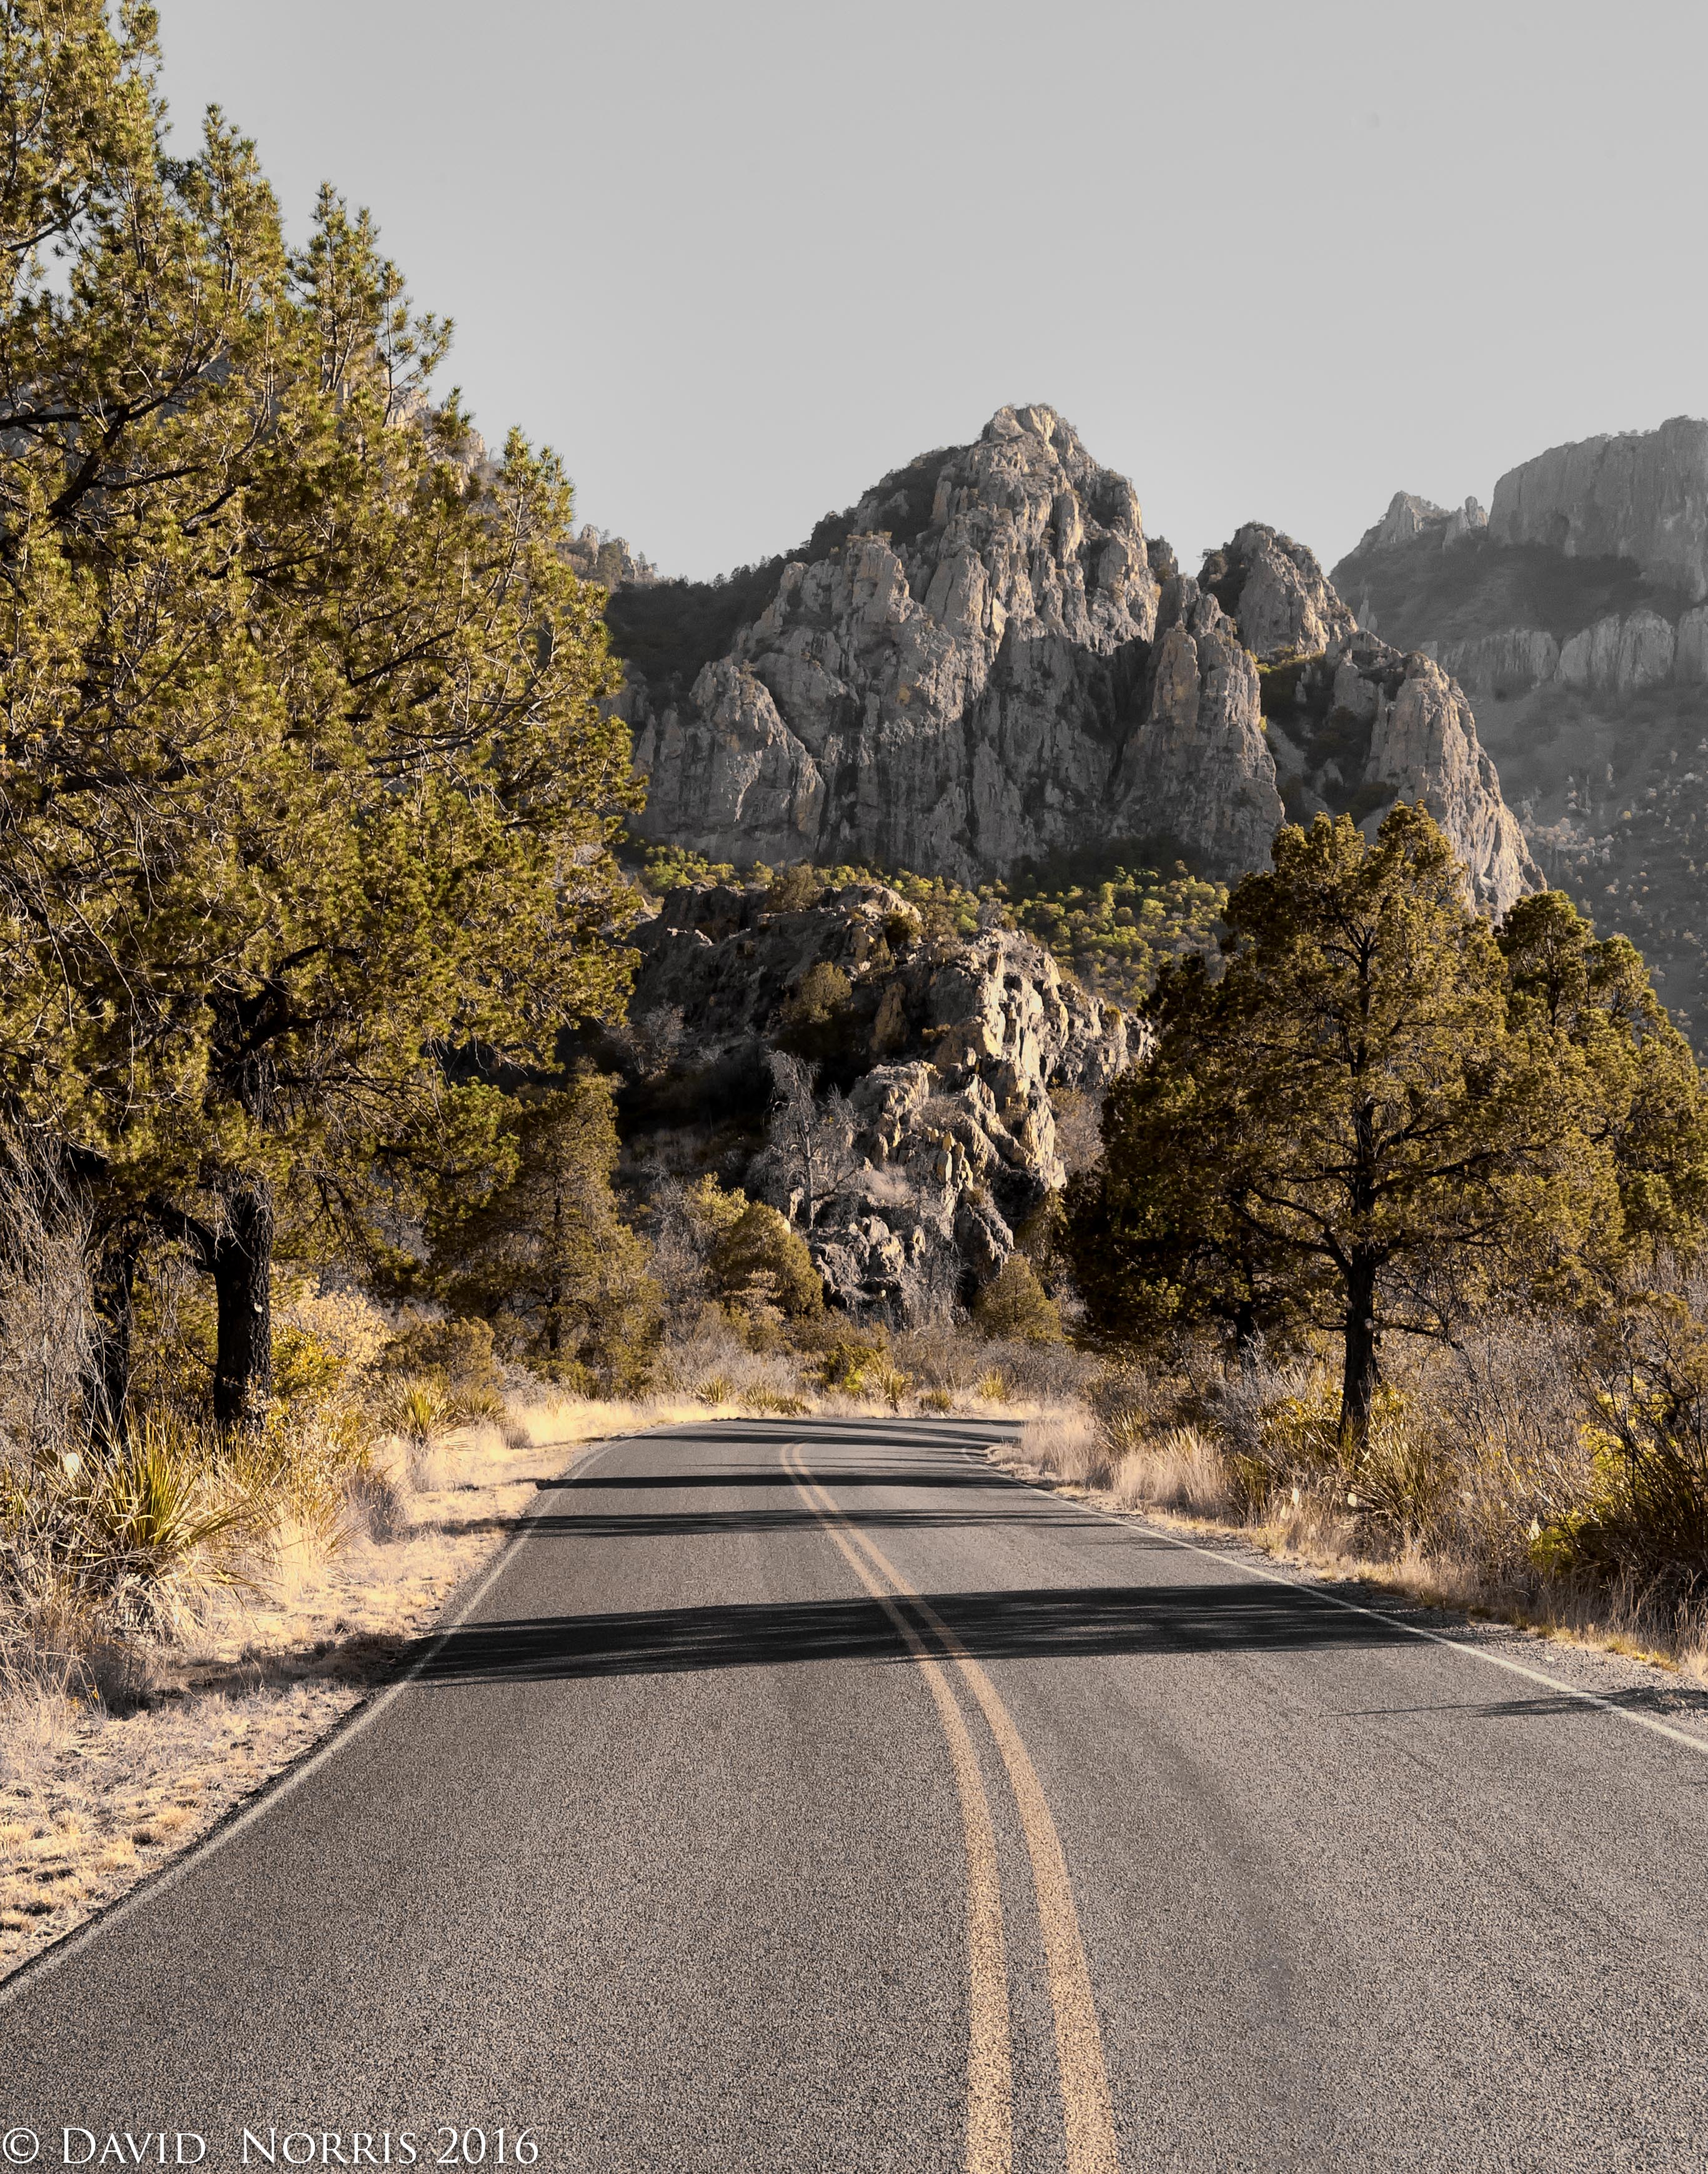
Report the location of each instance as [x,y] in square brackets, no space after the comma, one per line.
[987,663]
[1353,725]
[948,1049]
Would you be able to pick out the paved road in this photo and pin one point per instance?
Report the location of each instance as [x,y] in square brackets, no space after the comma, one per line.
[806,1796]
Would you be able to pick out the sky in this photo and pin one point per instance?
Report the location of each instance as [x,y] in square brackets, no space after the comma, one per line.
[734,260]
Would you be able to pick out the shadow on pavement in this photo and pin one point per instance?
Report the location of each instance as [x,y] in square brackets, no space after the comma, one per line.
[1057,1623]
[672,1524]
[899,1475]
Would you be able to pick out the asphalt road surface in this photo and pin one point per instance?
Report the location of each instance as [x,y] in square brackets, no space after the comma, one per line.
[806,1795]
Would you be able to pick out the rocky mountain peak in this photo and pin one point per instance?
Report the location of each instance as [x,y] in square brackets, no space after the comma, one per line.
[1277,591]
[986,661]
[1409,517]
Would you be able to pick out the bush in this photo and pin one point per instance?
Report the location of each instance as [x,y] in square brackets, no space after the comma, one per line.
[1014,1304]
[850,1364]
[758,1261]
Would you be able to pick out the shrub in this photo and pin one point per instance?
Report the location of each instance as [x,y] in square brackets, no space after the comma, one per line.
[760,1261]
[796,889]
[1014,1304]
[850,1362]
[891,1383]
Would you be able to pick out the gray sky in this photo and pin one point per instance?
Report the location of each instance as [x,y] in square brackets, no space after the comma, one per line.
[735,259]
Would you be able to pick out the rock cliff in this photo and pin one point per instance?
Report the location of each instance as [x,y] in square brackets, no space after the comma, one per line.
[1355,725]
[987,663]
[1575,620]
[939,1138]
[1642,495]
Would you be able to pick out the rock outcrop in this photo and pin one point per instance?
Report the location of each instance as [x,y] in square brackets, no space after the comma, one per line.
[1355,725]
[608,560]
[986,661]
[1576,623]
[944,1051]
[1642,495]
[947,685]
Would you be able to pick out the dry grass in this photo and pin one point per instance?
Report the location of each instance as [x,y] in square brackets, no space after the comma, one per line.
[1181,1477]
[112,1759]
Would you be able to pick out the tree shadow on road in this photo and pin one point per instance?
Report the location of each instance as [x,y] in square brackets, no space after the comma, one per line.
[1054,1623]
[769,1517]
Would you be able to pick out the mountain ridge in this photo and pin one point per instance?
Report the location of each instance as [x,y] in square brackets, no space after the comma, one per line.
[986,662]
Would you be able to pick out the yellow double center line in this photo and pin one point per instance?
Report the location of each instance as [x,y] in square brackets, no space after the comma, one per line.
[1088,2114]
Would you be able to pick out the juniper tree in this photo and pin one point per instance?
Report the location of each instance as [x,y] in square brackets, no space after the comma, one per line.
[546,1257]
[304,779]
[1359,1122]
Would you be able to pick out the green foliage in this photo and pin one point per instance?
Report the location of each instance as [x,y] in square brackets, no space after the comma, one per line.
[1646,1514]
[1114,930]
[760,1261]
[1014,1305]
[814,1020]
[850,1363]
[1375,1113]
[675,868]
[1116,936]
[795,889]
[547,1258]
[306,1369]
[457,1355]
[303,703]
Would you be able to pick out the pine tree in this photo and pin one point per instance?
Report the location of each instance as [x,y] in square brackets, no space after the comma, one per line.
[548,1258]
[304,779]
[1362,1122]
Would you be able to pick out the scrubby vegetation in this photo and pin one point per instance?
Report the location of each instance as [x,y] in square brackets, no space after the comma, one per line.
[1397,1240]
[1113,927]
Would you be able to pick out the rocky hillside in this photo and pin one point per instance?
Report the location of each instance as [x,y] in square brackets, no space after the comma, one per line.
[986,663]
[1575,616]
[939,1066]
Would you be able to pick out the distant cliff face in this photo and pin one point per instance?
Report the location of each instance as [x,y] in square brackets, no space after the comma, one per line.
[986,661]
[1642,495]
[1576,620]
[1355,725]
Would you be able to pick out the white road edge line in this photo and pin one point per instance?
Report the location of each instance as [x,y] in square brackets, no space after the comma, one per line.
[273,1793]
[1376,1614]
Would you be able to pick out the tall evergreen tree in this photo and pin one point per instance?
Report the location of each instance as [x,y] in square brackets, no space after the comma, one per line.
[546,1256]
[304,779]
[1375,1110]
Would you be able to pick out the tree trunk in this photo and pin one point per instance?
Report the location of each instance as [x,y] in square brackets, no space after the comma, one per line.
[242,1266]
[116,1303]
[1358,1382]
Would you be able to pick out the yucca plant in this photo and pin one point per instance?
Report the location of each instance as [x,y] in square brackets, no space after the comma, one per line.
[891,1383]
[156,1522]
